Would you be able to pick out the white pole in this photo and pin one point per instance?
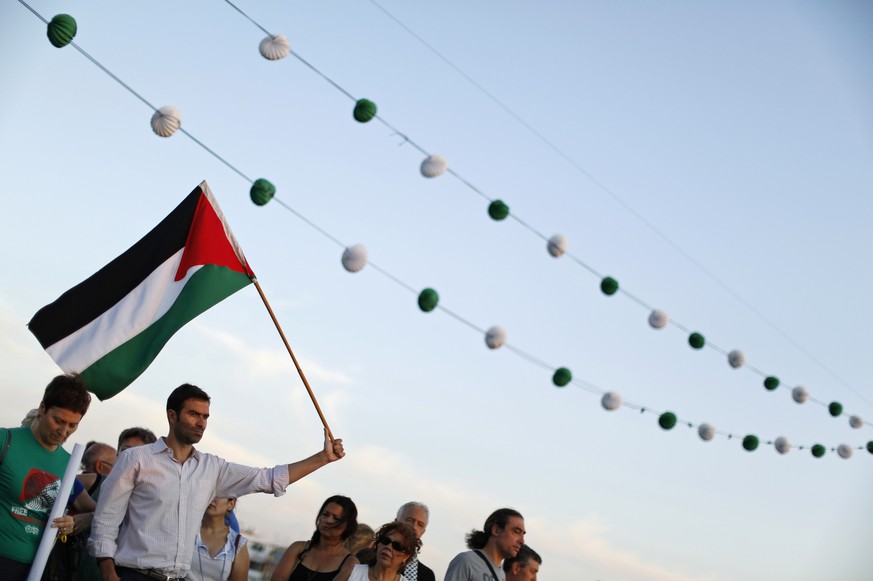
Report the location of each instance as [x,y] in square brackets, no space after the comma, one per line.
[50,533]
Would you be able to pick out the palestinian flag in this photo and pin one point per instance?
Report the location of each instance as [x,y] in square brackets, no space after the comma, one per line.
[110,327]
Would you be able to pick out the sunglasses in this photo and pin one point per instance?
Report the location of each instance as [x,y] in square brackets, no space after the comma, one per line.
[384,540]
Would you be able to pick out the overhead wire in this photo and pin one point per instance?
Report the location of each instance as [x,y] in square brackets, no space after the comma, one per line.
[621,202]
[523,354]
[538,233]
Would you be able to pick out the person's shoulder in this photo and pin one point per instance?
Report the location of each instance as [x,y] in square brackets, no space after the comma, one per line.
[209,457]
[236,538]
[460,567]
[158,445]
[15,434]
[297,546]
[145,450]
[425,573]
[4,435]
[136,457]
[460,558]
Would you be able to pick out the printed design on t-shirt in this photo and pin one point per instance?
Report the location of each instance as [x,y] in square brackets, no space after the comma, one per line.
[40,491]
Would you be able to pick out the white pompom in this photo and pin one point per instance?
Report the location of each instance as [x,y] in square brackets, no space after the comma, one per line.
[355,257]
[611,401]
[433,166]
[800,394]
[736,358]
[274,48]
[557,245]
[706,432]
[781,444]
[856,422]
[844,450]
[166,121]
[658,319]
[495,337]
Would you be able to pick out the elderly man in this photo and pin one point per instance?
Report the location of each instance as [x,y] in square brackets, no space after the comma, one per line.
[98,459]
[157,494]
[501,538]
[31,464]
[524,566]
[416,515]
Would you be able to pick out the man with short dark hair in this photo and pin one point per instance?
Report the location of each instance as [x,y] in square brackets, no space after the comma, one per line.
[157,494]
[30,473]
[500,538]
[416,515]
[524,566]
[133,437]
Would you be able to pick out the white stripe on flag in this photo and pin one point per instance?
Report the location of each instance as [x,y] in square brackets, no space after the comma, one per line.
[133,314]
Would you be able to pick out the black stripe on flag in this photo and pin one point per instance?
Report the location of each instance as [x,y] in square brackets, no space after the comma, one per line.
[101,291]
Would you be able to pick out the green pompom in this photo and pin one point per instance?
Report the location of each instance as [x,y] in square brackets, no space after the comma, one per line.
[562,377]
[61,30]
[498,210]
[696,340]
[818,450]
[609,286]
[428,299]
[750,443]
[835,408]
[667,420]
[771,383]
[262,191]
[365,110]
[870,446]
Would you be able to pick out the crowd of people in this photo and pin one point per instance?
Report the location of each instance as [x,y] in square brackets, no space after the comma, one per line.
[158,508]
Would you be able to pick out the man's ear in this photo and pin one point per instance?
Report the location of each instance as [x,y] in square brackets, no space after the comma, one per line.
[41,408]
[516,568]
[171,416]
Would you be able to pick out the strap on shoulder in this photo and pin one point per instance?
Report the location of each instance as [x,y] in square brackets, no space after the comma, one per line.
[487,562]
[6,447]
[236,545]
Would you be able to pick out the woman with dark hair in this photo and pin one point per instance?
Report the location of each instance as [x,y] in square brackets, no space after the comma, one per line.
[394,545]
[323,557]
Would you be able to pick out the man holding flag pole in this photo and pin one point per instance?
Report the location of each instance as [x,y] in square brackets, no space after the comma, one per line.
[158,493]
[109,328]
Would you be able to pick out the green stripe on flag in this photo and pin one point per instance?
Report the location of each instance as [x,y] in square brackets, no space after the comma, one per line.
[116,370]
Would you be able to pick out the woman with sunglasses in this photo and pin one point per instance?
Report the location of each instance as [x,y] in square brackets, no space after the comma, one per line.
[395,544]
[220,553]
[324,557]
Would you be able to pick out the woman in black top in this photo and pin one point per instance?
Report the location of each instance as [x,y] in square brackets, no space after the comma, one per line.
[324,556]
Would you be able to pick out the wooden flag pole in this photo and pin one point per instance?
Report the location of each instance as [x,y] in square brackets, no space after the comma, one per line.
[294,359]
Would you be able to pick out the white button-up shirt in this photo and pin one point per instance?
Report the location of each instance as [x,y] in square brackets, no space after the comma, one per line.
[158,503]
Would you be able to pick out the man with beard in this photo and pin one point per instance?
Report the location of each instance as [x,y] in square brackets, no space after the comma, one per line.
[501,538]
[157,494]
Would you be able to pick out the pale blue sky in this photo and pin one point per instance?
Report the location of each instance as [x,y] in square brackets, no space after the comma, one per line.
[743,132]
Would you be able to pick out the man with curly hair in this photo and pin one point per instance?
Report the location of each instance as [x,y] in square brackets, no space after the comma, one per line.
[501,538]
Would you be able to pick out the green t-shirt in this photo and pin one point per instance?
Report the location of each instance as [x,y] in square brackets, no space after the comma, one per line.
[29,482]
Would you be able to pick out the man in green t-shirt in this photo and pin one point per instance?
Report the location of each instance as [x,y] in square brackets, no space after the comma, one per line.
[30,473]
